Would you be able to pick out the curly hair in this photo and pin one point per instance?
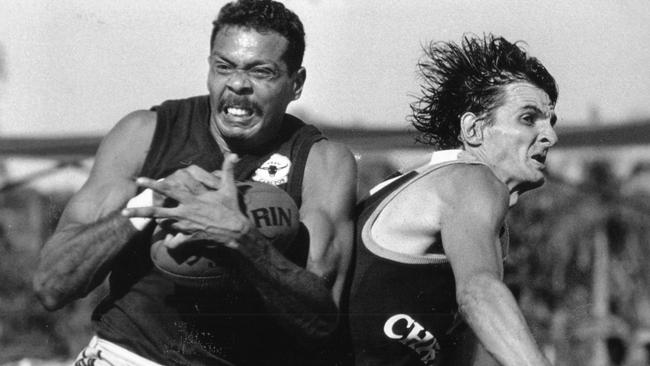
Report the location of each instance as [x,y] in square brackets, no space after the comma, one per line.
[264,16]
[470,77]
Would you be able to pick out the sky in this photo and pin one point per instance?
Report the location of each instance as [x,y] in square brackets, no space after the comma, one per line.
[71,67]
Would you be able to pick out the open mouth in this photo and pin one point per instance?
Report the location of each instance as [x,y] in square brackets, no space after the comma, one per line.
[540,158]
[241,112]
[238,107]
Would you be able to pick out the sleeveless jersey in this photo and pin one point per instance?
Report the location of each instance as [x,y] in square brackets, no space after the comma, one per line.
[173,325]
[402,308]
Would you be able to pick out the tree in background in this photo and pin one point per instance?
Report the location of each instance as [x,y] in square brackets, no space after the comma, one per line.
[579,265]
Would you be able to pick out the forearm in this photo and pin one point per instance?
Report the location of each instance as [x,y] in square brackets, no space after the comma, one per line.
[76,259]
[299,299]
[492,312]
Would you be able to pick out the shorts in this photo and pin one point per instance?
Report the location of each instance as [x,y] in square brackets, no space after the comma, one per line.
[101,352]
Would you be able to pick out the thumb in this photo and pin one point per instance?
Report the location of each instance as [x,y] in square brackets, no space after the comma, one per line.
[228,174]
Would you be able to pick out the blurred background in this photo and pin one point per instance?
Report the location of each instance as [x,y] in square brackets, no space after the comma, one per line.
[69,70]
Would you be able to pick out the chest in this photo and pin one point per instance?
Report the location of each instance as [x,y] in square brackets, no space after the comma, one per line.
[408,225]
[412,225]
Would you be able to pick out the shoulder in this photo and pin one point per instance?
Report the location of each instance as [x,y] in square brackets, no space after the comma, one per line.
[469,187]
[295,128]
[330,171]
[473,176]
[127,144]
[327,158]
[135,121]
[133,130]
[330,152]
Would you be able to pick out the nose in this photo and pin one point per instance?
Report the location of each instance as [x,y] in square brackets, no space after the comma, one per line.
[548,135]
[240,83]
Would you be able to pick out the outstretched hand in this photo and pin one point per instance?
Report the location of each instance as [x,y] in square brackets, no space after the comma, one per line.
[208,206]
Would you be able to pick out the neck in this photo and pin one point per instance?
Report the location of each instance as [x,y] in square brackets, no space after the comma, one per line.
[221,142]
[513,187]
[259,144]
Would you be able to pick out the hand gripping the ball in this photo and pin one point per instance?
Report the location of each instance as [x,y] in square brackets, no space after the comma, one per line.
[205,264]
[207,205]
[198,259]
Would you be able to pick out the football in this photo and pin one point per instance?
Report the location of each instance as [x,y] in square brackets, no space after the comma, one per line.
[204,263]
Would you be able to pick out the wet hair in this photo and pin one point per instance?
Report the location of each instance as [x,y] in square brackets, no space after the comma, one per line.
[265,16]
[470,77]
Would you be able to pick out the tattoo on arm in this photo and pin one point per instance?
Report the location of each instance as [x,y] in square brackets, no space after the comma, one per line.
[298,298]
[76,259]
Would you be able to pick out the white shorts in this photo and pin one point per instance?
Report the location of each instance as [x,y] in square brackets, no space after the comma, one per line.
[101,352]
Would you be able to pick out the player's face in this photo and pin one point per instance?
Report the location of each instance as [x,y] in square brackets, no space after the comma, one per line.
[521,134]
[250,86]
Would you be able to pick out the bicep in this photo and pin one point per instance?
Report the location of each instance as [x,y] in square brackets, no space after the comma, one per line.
[470,225]
[329,196]
[118,160]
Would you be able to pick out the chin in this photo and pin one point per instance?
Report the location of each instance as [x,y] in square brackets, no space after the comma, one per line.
[240,132]
[532,184]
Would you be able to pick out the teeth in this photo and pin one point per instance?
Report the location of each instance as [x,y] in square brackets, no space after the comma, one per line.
[239,112]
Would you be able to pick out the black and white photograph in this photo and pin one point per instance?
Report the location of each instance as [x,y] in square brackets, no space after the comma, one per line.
[324,182]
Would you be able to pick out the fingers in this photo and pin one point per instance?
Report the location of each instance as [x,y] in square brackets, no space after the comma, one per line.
[168,188]
[175,240]
[228,187]
[198,195]
[151,211]
[193,180]
[203,177]
[165,223]
[184,179]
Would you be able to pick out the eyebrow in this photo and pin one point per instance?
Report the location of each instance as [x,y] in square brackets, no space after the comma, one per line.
[539,111]
[246,65]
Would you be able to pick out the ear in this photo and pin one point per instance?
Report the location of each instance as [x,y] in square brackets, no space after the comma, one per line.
[471,129]
[298,82]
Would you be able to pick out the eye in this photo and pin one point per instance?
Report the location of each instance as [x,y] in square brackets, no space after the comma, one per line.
[528,118]
[222,68]
[262,72]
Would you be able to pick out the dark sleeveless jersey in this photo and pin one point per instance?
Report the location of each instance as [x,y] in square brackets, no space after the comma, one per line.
[228,325]
[402,308]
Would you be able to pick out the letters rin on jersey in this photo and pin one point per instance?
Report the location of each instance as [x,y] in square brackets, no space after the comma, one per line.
[407,331]
[272,216]
[274,171]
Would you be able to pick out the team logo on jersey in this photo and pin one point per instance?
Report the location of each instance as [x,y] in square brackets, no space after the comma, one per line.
[274,171]
[407,331]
